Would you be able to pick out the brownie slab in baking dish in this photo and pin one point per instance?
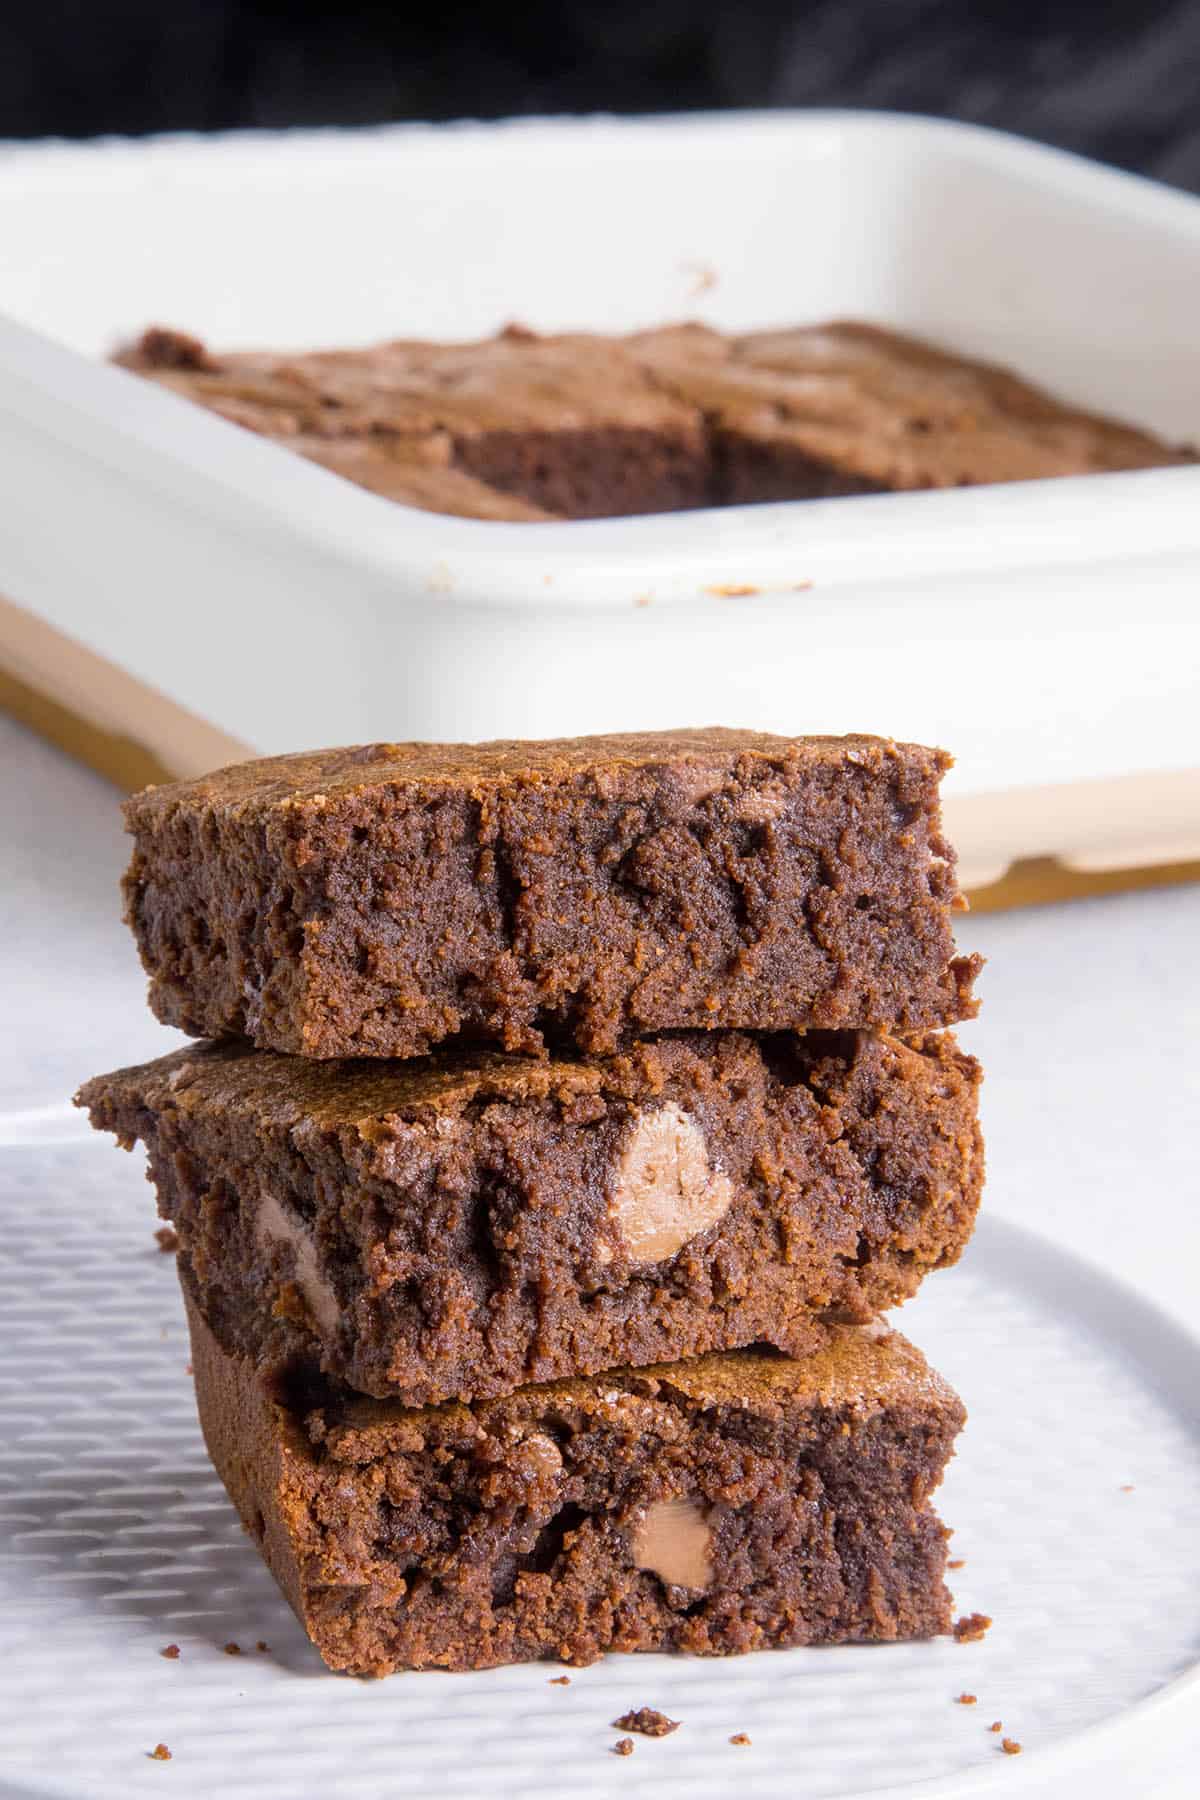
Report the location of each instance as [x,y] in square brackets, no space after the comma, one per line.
[582,426]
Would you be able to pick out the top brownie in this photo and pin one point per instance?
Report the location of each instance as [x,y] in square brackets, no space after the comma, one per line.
[522,427]
[381,900]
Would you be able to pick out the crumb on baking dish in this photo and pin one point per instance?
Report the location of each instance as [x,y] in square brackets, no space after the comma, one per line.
[171,1651]
[623,1747]
[995,1725]
[232,1649]
[167,1239]
[966,1699]
[560,1681]
[648,1721]
[732,590]
[971,1627]
[739,1737]
[262,1645]
[160,1753]
[959,1562]
[1010,1746]
[703,277]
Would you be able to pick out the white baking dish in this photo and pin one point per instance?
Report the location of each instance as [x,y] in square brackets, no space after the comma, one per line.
[1047,631]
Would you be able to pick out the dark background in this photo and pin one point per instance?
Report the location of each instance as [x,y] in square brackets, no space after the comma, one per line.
[1119,80]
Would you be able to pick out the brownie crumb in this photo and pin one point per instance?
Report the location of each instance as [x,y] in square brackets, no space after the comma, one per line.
[959,1562]
[739,1737]
[233,1649]
[703,275]
[648,1721]
[995,1725]
[560,1681]
[170,1650]
[262,1645]
[971,1627]
[966,1699]
[160,1753]
[167,1240]
[1010,1746]
[623,1747]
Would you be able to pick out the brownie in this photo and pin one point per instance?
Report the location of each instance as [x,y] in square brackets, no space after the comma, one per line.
[454,1228]
[852,408]
[385,899]
[568,426]
[522,427]
[732,1503]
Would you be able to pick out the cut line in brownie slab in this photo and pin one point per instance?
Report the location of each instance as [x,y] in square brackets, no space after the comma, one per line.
[734,1503]
[458,1228]
[522,427]
[384,899]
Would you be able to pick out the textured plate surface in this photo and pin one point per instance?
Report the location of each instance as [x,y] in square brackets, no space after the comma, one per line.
[1075,1497]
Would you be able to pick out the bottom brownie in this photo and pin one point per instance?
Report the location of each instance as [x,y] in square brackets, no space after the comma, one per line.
[736,1502]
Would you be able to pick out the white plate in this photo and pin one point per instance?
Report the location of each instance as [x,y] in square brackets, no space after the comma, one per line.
[1075,1498]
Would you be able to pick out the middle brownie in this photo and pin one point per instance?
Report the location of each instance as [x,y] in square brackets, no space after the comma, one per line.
[458,1227]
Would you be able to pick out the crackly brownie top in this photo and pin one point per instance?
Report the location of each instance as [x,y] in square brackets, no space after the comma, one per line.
[313,778]
[366,1095]
[863,1370]
[517,381]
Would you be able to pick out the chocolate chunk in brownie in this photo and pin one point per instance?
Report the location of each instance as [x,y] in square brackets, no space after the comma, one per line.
[522,427]
[456,1227]
[384,899]
[732,1503]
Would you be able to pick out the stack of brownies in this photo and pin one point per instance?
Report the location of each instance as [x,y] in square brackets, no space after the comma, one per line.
[572,1112]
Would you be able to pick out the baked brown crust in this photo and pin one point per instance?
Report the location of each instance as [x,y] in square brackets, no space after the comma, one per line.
[522,427]
[383,899]
[459,1227]
[464,1537]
